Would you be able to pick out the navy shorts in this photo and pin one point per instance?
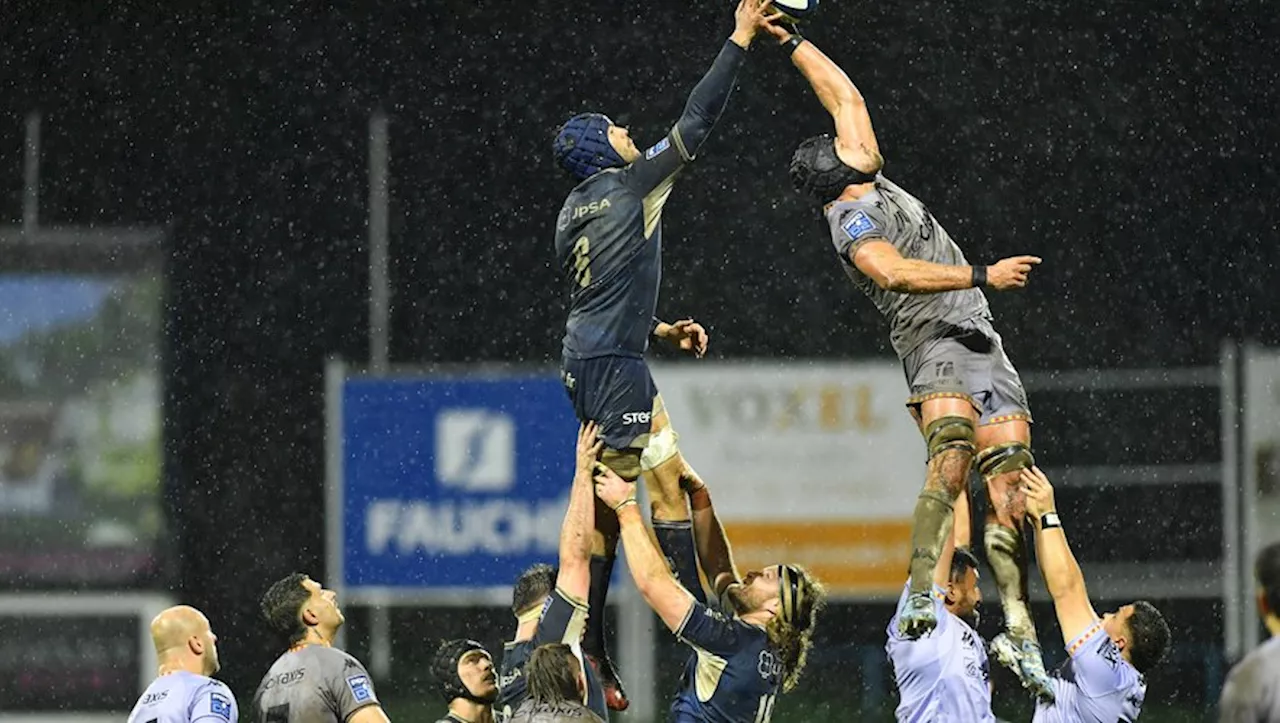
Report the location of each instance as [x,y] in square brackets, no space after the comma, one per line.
[615,392]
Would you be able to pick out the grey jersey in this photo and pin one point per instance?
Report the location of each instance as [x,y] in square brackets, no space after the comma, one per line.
[184,697]
[315,684]
[1252,692]
[891,214]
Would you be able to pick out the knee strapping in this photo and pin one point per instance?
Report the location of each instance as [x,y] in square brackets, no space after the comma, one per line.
[1004,458]
[949,432]
[662,447]
[626,462]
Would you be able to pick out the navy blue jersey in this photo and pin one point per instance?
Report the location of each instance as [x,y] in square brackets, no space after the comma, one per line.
[609,231]
[562,621]
[733,676]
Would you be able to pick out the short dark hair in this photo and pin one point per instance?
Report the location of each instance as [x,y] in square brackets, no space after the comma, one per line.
[1267,571]
[552,674]
[1148,636]
[962,560]
[282,607]
[532,587]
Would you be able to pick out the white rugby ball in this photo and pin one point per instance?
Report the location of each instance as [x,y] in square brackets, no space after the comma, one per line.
[795,9]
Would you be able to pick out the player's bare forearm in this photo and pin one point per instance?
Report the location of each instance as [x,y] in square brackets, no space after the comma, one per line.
[855,136]
[829,82]
[649,570]
[882,263]
[714,552]
[574,576]
[942,571]
[1062,575]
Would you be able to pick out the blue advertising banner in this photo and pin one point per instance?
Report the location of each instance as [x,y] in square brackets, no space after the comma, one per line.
[452,483]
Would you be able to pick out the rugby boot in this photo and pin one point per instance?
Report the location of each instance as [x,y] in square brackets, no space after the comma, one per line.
[918,617]
[614,696]
[1024,658]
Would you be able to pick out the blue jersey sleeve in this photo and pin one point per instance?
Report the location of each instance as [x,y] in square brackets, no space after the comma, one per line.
[711,630]
[562,621]
[214,703]
[709,97]
[659,164]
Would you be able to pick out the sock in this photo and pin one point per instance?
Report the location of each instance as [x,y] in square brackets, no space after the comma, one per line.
[675,539]
[929,530]
[1008,560]
[593,638]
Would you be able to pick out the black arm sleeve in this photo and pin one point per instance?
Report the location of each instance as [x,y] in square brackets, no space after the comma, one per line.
[659,165]
[708,99]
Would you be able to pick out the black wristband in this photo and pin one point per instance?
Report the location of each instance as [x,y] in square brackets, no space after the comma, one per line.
[1049,520]
[979,277]
[793,42]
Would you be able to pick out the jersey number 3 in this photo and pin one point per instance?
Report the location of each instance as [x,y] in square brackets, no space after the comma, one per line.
[582,261]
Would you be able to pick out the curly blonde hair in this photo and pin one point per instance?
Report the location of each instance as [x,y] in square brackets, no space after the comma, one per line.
[791,635]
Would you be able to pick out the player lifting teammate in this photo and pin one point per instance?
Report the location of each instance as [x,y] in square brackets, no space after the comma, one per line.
[1102,679]
[608,240]
[550,603]
[740,661]
[944,675]
[965,395]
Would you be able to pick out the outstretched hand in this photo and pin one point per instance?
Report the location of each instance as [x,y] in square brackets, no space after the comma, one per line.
[588,447]
[612,489]
[1011,273]
[1039,492]
[689,336]
[749,18]
[779,25]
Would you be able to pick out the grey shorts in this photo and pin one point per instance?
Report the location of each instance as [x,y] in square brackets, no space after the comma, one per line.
[970,366]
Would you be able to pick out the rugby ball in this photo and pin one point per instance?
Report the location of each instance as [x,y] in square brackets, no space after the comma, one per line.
[795,9]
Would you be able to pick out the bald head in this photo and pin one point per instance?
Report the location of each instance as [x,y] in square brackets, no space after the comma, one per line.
[184,641]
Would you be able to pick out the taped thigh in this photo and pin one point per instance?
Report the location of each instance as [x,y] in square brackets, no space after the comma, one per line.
[662,447]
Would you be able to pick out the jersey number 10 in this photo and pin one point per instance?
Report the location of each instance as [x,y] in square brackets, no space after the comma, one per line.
[582,261]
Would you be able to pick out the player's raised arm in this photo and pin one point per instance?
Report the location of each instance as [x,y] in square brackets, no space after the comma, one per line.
[710,96]
[574,576]
[1062,575]
[714,553]
[653,170]
[856,141]
[653,578]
